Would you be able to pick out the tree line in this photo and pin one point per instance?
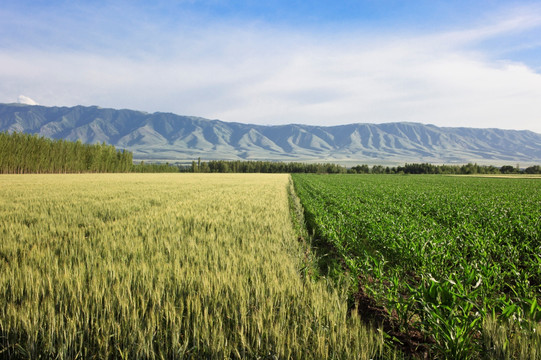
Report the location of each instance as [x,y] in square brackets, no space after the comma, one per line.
[468,169]
[224,166]
[143,167]
[250,166]
[426,168]
[22,153]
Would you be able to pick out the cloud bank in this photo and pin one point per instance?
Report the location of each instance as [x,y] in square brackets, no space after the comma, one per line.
[254,72]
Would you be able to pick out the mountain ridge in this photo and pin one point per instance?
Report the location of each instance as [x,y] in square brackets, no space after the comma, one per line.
[167,136]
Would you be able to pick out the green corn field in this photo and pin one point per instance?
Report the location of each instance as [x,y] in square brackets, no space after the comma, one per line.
[455,258]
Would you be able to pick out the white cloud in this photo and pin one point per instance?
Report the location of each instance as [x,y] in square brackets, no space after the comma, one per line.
[274,76]
[26,100]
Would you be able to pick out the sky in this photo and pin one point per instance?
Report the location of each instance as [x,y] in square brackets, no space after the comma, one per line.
[447,63]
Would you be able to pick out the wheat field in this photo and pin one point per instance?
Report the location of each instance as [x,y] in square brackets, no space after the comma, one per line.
[163,266]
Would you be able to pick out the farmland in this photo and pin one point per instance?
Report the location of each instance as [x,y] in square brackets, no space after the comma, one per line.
[212,266]
[457,259]
[163,266]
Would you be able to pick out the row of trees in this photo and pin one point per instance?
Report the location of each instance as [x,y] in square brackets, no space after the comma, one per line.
[535,169]
[426,168]
[223,166]
[155,168]
[237,166]
[24,153]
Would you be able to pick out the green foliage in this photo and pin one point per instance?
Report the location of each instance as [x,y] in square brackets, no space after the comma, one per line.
[266,167]
[426,168]
[535,169]
[508,169]
[24,153]
[439,253]
[154,168]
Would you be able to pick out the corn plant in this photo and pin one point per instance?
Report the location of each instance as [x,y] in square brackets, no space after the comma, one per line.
[441,253]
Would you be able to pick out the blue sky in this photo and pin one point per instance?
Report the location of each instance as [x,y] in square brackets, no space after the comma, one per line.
[448,63]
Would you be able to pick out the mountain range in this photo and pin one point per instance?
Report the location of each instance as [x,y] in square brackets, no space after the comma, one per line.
[174,138]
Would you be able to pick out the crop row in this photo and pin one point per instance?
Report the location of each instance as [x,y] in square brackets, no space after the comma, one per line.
[457,258]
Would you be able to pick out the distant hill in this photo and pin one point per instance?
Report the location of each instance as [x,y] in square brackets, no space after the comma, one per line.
[166,136]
